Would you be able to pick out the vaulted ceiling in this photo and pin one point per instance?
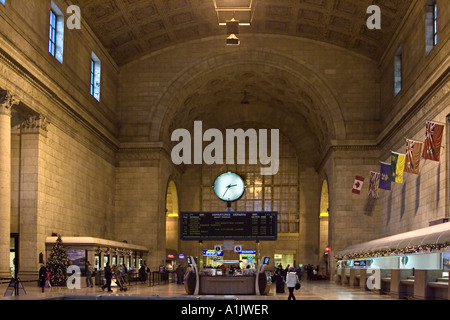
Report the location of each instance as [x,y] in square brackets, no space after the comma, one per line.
[130,29]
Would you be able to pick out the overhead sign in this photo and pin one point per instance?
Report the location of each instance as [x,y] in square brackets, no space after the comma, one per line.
[242,226]
[212,253]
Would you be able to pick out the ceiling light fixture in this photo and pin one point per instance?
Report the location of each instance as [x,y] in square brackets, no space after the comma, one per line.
[241,10]
[232,32]
[245,99]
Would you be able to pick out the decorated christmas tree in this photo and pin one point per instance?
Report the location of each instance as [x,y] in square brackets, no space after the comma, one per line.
[57,264]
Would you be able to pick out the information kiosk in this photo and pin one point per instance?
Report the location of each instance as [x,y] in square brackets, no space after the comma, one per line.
[215,282]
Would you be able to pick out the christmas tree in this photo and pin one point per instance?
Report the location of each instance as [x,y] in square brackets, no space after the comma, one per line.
[57,264]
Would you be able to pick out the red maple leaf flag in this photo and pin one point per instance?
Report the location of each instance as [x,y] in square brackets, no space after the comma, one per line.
[357,185]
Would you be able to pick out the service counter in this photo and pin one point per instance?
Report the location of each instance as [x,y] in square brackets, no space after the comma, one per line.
[227,285]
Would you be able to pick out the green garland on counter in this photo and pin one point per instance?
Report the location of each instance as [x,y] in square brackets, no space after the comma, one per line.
[428,248]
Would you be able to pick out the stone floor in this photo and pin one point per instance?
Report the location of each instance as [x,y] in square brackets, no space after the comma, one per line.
[311,290]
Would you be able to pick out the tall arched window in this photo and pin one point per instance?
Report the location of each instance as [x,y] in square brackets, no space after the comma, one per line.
[324,214]
[263,193]
[172,217]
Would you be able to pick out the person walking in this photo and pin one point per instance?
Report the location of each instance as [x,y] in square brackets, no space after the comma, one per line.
[89,273]
[291,281]
[108,277]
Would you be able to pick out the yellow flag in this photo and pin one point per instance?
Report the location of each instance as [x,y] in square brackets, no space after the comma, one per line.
[397,166]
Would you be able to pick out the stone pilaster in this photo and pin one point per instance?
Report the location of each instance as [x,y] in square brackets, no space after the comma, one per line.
[32,233]
[7,101]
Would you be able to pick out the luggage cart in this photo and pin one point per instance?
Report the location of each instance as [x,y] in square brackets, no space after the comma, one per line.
[120,281]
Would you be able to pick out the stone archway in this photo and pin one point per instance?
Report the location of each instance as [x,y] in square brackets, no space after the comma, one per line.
[184,89]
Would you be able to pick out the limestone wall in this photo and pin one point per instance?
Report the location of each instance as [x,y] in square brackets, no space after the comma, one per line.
[63,173]
[424,96]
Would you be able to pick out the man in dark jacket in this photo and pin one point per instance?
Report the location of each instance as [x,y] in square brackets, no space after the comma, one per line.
[108,277]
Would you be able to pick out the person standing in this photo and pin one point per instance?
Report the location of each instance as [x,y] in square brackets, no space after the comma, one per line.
[291,281]
[180,273]
[108,277]
[47,279]
[142,273]
[279,279]
[42,276]
[89,273]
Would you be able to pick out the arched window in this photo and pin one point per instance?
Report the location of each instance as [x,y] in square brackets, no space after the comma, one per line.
[172,217]
[323,216]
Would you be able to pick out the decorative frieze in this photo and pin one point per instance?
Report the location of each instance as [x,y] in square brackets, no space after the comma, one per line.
[35,124]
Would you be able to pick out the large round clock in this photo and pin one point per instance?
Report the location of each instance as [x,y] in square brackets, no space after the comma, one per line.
[229,187]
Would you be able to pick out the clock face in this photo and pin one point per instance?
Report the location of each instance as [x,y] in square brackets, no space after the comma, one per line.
[229,187]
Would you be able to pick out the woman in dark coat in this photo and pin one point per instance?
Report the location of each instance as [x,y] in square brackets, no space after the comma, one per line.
[42,276]
[279,280]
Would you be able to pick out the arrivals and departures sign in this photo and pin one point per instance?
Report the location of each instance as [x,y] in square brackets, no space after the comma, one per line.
[198,226]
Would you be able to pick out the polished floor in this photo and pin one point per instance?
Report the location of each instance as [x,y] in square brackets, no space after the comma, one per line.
[311,290]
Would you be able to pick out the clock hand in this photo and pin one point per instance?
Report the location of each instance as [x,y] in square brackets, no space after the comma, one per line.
[228,187]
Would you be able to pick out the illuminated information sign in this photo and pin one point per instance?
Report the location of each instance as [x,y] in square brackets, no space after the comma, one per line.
[228,226]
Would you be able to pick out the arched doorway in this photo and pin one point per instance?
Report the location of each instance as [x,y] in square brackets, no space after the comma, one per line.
[323,228]
[172,238]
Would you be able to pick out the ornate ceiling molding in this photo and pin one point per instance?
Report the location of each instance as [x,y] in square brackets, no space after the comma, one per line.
[130,29]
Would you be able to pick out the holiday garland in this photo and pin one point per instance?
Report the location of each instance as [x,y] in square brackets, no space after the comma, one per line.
[122,252]
[428,248]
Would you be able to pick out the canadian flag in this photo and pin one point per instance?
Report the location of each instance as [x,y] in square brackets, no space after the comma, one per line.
[357,185]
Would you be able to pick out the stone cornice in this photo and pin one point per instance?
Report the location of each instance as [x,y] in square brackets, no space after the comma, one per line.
[42,94]
[144,153]
[429,104]
[345,146]
[432,102]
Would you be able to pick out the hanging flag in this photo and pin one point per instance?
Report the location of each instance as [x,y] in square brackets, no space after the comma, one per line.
[357,185]
[413,152]
[385,176]
[433,140]
[374,184]
[397,167]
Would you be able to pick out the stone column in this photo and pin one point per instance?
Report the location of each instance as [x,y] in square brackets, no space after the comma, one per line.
[7,101]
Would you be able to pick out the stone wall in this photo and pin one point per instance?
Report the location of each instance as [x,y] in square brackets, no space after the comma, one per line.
[425,95]
[63,140]
[153,88]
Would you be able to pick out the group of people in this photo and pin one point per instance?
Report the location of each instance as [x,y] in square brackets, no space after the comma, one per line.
[288,277]
[311,272]
[44,277]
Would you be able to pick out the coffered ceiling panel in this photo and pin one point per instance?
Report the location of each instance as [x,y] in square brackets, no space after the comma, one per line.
[132,28]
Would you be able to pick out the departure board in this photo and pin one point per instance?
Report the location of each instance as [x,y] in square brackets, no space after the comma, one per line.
[228,226]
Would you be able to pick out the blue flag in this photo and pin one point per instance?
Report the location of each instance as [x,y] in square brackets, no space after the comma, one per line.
[385,176]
